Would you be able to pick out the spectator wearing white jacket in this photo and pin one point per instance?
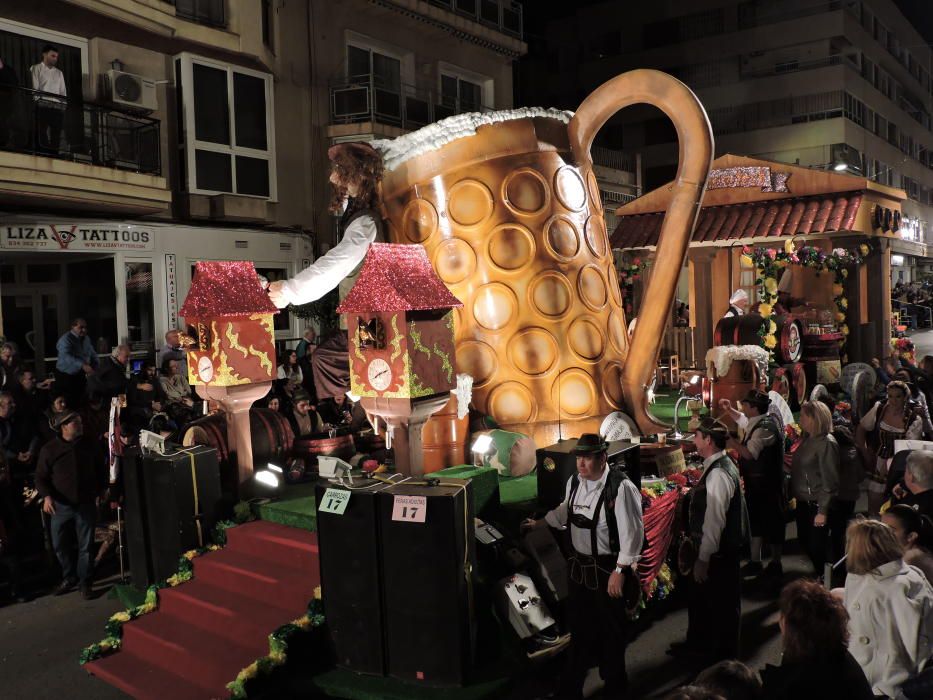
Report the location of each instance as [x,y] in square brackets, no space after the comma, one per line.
[890,606]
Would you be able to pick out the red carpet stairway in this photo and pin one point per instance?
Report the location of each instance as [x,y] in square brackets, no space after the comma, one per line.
[205,631]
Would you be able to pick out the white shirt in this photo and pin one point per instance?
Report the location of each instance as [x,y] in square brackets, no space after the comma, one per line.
[46,79]
[627,512]
[890,624]
[719,491]
[329,270]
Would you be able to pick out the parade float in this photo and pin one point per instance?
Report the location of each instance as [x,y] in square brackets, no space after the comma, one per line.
[499,268]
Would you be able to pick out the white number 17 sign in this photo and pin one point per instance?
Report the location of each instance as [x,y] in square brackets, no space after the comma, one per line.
[410,509]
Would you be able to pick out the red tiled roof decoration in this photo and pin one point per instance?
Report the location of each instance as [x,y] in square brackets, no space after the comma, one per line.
[226,289]
[779,217]
[397,277]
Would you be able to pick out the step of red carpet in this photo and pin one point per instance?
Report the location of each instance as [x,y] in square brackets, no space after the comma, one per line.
[208,629]
[146,681]
[276,543]
[257,578]
[218,609]
[214,658]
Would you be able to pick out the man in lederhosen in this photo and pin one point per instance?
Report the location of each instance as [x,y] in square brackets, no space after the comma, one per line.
[602,509]
[717,522]
[761,464]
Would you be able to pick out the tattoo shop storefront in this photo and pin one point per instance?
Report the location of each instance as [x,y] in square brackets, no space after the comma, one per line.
[127,279]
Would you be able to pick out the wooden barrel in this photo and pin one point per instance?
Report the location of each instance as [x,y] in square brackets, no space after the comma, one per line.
[743,330]
[742,377]
[321,444]
[270,432]
[445,438]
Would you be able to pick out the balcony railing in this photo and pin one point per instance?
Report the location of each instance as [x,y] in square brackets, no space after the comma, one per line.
[503,15]
[367,99]
[40,123]
[611,158]
[208,12]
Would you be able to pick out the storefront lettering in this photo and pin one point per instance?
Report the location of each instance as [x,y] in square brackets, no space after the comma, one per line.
[74,237]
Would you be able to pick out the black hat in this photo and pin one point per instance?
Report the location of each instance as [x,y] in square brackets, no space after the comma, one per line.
[63,419]
[590,443]
[758,399]
[713,428]
[300,395]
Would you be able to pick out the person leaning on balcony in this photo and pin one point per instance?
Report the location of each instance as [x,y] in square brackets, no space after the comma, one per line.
[50,112]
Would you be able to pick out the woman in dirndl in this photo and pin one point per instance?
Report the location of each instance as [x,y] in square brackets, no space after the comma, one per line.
[894,418]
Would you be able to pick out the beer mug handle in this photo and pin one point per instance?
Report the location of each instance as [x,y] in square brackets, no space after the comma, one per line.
[695,138]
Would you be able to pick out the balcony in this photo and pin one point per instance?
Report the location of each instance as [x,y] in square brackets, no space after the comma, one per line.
[210,13]
[502,15]
[57,151]
[363,99]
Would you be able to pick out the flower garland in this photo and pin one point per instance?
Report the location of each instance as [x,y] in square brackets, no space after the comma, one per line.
[904,349]
[278,647]
[114,626]
[629,273]
[768,261]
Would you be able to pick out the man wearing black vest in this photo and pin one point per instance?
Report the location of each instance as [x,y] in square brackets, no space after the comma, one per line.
[761,464]
[717,523]
[602,510]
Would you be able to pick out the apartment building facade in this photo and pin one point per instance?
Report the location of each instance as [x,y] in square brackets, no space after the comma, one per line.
[841,84]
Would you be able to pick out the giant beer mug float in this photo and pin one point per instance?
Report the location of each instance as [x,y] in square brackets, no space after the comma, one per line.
[507,206]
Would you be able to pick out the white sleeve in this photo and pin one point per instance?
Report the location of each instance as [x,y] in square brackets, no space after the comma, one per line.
[34,74]
[281,373]
[719,491]
[557,518]
[63,91]
[629,520]
[870,419]
[327,271]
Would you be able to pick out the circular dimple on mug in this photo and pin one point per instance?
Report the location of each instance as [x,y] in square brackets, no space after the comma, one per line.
[511,247]
[419,220]
[525,191]
[551,294]
[494,305]
[586,339]
[618,333]
[561,237]
[595,233]
[454,260]
[612,384]
[533,351]
[476,358]
[568,186]
[591,287]
[574,392]
[469,202]
[511,402]
[613,283]
[595,196]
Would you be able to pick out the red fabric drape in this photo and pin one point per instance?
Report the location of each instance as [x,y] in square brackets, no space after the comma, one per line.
[659,531]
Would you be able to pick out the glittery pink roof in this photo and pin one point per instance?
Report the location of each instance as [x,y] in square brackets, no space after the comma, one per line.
[226,289]
[397,278]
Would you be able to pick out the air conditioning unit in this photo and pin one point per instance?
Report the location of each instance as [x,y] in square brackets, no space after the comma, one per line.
[134,91]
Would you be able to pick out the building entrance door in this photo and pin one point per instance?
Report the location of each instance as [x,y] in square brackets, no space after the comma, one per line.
[41,294]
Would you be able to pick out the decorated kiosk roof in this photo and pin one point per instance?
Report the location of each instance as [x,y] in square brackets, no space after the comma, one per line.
[397,278]
[226,288]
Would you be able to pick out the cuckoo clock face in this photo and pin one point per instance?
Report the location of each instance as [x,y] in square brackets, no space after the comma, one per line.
[379,374]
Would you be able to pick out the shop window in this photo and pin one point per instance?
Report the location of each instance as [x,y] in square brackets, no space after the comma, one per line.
[140,320]
[228,133]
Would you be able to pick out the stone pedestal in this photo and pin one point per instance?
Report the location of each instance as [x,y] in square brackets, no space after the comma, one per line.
[236,402]
[405,418]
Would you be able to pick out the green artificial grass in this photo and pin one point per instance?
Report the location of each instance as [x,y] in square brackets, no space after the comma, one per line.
[295,507]
[518,489]
[485,486]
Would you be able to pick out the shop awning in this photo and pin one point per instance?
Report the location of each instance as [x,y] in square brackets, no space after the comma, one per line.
[782,217]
